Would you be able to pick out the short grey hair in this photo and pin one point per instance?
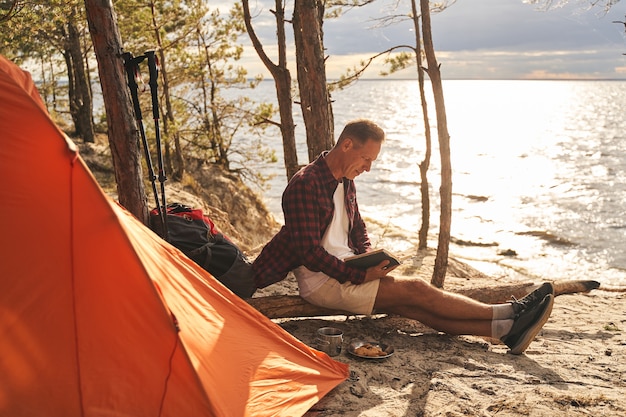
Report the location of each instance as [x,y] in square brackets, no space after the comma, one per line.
[362,130]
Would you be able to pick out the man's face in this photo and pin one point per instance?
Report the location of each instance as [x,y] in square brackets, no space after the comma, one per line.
[359,158]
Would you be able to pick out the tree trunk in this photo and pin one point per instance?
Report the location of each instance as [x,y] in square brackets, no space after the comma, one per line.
[123,136]
[53,83]
[445,191]
[83,105]
[177,165]
[71,87]
[282,81]
[314,95]
[43,89]
[425,164]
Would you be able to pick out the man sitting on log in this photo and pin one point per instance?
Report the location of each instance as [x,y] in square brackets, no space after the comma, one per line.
[323,226]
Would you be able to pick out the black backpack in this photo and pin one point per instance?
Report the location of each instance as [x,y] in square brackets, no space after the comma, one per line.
[191,231]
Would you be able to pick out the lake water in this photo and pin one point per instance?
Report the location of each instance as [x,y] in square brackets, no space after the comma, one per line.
[538,169]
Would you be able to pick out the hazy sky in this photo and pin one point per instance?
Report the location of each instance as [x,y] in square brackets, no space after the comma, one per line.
[483,39]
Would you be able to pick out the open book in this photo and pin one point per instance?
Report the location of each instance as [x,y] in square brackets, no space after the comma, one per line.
[369,259]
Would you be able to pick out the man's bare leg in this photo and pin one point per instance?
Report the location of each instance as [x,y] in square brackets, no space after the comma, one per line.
[514,323]
[416,293]
[442,324]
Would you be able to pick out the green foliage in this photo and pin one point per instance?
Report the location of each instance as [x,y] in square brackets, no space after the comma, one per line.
[335,8]
[207,90]
[398,62]
[39,26]
[395,63]
[37,36]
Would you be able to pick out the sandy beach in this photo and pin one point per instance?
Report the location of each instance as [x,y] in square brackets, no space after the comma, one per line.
[575,367]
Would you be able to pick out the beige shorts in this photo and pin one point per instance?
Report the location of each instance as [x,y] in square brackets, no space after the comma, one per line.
[357,299]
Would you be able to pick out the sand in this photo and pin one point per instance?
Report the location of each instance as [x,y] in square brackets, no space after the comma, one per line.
[574,367]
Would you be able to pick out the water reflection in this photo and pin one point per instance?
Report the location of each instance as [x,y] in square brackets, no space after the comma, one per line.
[535,163]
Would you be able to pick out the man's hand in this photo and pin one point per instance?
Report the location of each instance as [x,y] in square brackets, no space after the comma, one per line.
[378,271]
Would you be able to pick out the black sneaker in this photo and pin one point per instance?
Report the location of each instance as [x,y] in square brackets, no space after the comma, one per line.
[527,324]
[532,299]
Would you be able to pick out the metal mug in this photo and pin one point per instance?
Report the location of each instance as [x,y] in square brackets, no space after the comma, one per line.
[329,340]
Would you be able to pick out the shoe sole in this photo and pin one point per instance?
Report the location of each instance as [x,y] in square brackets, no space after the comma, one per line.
[532,331]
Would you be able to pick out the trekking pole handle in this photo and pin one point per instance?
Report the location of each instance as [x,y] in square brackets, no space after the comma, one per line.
[131,65]
[154,75]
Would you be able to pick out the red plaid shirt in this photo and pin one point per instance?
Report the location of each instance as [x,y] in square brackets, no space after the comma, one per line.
[308,208]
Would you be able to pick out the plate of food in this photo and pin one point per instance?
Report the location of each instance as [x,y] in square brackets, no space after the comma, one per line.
[368,349]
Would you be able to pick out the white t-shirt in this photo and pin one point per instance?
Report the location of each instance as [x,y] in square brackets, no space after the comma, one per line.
[335,241]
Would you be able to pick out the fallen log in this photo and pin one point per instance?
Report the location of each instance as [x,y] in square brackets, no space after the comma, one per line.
[284,306]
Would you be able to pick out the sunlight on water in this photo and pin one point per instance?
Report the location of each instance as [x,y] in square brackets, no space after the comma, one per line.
[538,169]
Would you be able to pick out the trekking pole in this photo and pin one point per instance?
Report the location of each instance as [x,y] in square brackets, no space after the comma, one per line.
[154,75]
[131,64]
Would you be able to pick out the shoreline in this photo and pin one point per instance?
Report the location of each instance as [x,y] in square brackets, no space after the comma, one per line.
[499,261]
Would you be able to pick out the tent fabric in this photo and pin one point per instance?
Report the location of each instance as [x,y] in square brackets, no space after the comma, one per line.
[101,317]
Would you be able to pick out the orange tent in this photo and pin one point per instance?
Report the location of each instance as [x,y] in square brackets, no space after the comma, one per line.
[100,317]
